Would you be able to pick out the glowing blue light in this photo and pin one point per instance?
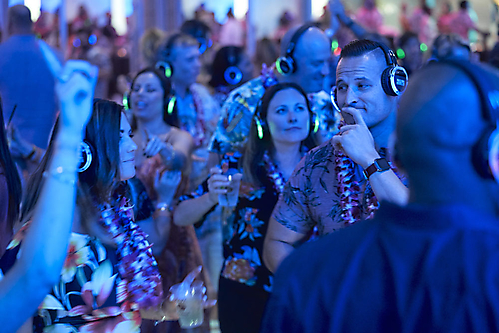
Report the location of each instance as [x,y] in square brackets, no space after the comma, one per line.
[77,42]
[92,39]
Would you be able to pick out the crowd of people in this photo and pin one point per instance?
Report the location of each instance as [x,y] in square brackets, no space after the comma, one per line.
[352,185]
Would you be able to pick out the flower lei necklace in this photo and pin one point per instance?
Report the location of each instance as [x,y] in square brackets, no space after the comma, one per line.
[274,174]
[349,190]
[141,282]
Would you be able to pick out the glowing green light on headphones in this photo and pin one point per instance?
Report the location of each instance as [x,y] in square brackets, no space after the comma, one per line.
[316,124]
[334,45]
[423,47]
[400,54]
[259,128]
[168,72]
[125,102]
[171,104]
[278,66]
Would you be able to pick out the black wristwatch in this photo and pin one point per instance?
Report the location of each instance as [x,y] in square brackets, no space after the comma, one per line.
[379,165]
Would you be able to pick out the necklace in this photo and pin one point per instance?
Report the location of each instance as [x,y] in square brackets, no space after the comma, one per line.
[349,191]
[273,173]
[141,282]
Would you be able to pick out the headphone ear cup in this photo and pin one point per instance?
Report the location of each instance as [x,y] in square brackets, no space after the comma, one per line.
[126,100]
[285,65]
[485,154]
[385,82]
[314,123]
[233,75]
[494,154]
[165,67]
[86,156]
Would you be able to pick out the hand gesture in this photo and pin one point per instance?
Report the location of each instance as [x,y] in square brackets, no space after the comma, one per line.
[189,282]
[154,145]
[356,141]
[336,8]
[217,184]
[166,184]
[75,84]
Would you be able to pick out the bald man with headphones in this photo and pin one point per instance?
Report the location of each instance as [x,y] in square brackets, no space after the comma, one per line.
[305,56]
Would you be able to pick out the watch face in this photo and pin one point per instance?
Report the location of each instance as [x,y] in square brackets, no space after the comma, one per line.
[382,164]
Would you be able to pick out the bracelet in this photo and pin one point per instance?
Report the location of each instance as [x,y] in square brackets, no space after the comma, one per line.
[160,309]
[162,206]
[62,176]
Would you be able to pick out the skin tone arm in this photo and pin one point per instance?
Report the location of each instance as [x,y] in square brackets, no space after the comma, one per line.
[191,211]
[158,225]
[357,142]
[338,10]
[174,155]
[279,243]
[44,247]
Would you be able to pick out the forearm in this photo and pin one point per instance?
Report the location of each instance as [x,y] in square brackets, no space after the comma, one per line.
[191,211]
[357,29]
[388,187]
[44,248]
[274,252]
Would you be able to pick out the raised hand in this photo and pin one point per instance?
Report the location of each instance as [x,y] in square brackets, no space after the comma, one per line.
[356,141]
[166,184]
[75,84]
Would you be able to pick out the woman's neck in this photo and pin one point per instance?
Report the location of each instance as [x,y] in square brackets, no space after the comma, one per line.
[286,157]
[153,127]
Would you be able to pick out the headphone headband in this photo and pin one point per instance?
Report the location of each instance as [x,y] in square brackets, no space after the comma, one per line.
[296,37]
[391,59]
[489,95]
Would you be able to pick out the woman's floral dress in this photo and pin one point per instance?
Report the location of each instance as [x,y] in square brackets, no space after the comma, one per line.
[90,296]
[245,282]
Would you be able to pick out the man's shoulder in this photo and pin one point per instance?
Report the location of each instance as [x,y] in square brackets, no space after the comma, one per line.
[248,93]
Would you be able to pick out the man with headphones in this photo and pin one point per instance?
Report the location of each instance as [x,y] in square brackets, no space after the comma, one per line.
[196,109]
[430,266]
[343,180]
[305,56]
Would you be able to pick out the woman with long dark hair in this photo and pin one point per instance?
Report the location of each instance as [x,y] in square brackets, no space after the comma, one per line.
[110,279]
[282,130]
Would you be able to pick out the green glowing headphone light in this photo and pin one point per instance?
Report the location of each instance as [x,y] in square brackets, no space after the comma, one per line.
[316,125]
[168,72]
[125,102]
[278,66]
[400,54]
[334,45]
[171,104]
[423,47]
[259,128]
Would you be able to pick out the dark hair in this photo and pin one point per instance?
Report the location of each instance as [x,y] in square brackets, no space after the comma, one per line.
[406,37]
[11,176]
[20,16]
[256,147]
[101,180]
[196,29]
[463,5]
[170,119]
[359,48]
[225,57]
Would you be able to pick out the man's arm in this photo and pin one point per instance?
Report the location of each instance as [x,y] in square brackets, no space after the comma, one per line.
[357,143]
[279,243]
